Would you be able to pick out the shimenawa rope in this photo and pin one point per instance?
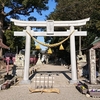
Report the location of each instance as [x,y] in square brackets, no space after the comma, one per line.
[50,45]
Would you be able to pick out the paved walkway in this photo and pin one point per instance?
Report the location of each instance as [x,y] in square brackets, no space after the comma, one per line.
[60,76]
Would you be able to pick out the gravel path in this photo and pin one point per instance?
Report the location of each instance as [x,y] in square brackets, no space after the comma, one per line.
[22,93]
[67,91]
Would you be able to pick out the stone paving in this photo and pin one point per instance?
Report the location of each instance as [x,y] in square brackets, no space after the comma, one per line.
[61,76]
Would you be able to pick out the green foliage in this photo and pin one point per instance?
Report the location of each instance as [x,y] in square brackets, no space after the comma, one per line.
[23,7]
[77,10]
[13,41]
[15,9]
[71,10]
[16,41]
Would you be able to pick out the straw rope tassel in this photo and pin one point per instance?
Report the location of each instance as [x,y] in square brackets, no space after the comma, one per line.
[37,47]
[49,51]
[61,47]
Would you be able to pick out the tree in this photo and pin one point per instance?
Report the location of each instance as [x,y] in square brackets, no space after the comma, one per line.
[72,10]
[76,10]
[15,8]
[12,41]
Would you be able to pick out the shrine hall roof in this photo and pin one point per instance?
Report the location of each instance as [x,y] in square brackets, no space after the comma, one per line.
[96,46]
[96,43]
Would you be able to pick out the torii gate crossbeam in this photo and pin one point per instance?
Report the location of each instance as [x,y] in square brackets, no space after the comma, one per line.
[50,24]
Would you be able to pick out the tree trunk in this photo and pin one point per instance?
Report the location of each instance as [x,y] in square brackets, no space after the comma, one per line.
[1,25]
[1,30]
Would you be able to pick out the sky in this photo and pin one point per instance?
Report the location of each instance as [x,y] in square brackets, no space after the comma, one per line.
[42,17]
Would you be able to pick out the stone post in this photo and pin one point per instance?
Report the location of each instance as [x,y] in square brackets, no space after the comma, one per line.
[92,65]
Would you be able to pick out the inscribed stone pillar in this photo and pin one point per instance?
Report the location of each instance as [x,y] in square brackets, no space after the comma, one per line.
[92,65]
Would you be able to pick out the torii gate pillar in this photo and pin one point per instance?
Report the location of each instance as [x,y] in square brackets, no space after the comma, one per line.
[73,57]
[27,57]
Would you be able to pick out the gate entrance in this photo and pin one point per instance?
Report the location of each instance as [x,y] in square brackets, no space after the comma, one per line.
[50,24]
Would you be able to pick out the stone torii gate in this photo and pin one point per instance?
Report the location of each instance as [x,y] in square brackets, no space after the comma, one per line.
[50,24]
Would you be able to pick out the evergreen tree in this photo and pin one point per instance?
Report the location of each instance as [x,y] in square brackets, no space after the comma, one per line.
[76,10]
[15,8]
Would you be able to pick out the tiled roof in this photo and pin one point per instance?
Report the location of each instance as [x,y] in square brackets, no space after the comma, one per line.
[96,45]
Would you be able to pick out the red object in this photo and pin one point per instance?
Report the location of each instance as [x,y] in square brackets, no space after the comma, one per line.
[7,67]
[35,60]
[7,59]
[31,60]
[13,59]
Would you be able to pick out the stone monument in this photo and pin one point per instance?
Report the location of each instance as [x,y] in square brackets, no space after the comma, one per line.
[92,66]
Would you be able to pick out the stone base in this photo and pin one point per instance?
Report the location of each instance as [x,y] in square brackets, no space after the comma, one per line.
[1,81]
[25,82]
[92,86]
[93,89]
[20,72]
[73,81]
[95,94]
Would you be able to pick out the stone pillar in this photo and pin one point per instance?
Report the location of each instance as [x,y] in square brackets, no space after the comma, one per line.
[99,61]
[73,57]
[27,58]
[92,65]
